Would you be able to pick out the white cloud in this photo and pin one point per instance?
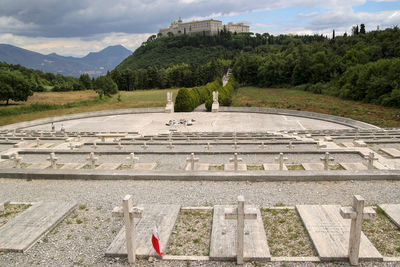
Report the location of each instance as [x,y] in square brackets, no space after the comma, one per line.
[307,15]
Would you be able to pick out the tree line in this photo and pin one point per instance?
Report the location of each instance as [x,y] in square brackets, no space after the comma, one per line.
[361,67]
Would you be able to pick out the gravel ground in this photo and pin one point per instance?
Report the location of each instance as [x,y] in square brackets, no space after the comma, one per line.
[83,237]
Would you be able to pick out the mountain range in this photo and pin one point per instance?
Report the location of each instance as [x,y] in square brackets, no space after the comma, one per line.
[95,63]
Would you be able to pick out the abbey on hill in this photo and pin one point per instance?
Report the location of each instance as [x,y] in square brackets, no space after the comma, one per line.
[206,27]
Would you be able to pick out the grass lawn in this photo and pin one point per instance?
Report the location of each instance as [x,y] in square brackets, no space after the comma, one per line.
[305,101]
[82,101]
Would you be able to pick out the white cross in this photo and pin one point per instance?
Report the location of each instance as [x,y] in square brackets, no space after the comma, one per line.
[262,146]
[239,215]
[235,161]
[281,159]
[78,138]
[94,145]
[119,146]
[37,142]
[53,160]
[71,146]
[170,137]
[133,159]
[145,146]
[17,160]
[170,145]
[128,212]
[326,159]
[92,160]
[235,146]
[192,160]
[208,146]
[188,139]
[356,213]
[370,160]
[151,138]
[290,146]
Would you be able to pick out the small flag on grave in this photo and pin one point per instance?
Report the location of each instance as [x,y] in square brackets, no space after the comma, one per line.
[155,239]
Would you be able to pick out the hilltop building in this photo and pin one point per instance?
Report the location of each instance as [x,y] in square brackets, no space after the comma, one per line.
[205,27]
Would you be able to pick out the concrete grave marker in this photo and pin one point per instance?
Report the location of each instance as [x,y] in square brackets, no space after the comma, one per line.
[170,145]
[320,145]
[132,160]
[236,165]
[92,160]
[119,146]
[238,232]
[129,213]
[17,160]
[94,146]
[145,146]
[330,233]
[37,142]
[208,146]
[262,146]
[53,160]
[71,146]
[326,159]
[281,159]
[192,160]
[370,160]
[235,146]
[356,213]
[290,146]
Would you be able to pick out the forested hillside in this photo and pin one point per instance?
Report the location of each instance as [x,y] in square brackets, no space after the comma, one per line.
[363,66]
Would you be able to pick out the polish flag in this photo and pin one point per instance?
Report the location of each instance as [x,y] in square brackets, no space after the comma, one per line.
[155,239]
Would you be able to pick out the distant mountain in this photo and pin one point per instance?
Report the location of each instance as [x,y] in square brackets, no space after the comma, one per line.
[95,63]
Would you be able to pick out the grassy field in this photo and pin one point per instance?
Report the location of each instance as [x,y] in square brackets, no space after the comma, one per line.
[62,103]
[305,101]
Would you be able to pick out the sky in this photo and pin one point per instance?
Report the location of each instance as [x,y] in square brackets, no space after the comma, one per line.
[77,27]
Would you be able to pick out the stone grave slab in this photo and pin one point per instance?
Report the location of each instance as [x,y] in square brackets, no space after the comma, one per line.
[23,231]
[108,166]
[313,166]
[223,236]
[355,166]
[393,152]
[230,167]
[72,166]
[273,167]
[392,211]
[163,215]
[39,165]
[8,153]
[198,167]
[330,233]
[359,143]
[145,166]
[45,145]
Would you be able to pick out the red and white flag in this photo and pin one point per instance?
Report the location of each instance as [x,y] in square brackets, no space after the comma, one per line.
[155,239]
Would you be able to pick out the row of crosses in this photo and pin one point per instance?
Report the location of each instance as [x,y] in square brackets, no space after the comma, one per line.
[356,213]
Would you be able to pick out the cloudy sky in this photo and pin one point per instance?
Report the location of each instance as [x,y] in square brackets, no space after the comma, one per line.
[76,27]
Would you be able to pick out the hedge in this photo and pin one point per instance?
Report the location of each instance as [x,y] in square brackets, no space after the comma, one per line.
[224,94]
[188,99]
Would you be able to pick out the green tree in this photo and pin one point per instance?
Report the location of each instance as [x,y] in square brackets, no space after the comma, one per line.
[105,86]
[362,28]
[86,82]
[13,86]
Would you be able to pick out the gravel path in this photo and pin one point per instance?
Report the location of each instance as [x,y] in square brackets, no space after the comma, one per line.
[82,238]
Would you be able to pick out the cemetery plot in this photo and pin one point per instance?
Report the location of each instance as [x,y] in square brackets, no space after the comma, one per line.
[24,230]
[286,234]
[192,233]
[330,233]
[224,236]
[383,234]
[162,216]
[392,211]
[9,211]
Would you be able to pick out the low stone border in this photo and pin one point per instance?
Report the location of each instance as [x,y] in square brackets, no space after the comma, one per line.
[295,259]
[294,113]
[253,176]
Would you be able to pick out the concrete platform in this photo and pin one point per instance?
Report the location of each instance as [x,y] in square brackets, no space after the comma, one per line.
[198,167]
[153,123]
[23,231]
[230,167]
[392,211]
[164,216]
[108,166]
[145,166]
[313,166]
[356,166]
[72,166]
[39,165]
[330,233]
[273,167]
[393,152]
[223,236]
